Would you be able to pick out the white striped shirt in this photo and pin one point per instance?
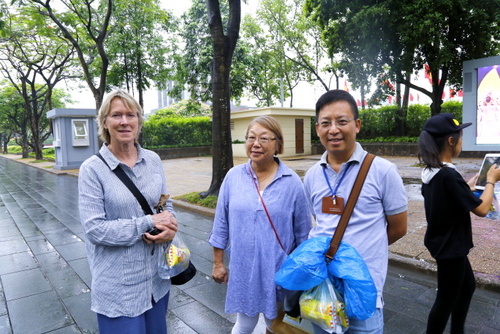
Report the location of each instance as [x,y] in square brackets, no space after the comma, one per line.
[124,273]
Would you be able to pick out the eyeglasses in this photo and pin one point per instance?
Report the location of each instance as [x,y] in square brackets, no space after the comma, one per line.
[262,140]
[338,123]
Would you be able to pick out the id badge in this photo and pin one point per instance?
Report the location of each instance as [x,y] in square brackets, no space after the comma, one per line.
[333,205]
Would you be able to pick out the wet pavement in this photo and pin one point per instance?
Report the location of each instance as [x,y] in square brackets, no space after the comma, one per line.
[45,279]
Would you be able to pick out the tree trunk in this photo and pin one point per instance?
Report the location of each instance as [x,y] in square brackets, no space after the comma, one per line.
[222,152]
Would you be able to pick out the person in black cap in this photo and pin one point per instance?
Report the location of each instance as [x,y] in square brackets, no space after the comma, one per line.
[448,201]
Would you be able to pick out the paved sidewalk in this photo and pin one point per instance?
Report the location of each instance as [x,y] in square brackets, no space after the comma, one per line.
[195,174]
[45,281]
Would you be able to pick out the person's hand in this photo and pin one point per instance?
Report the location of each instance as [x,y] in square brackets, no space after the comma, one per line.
[493,174]
[219,273]
[472,182]
[167,224]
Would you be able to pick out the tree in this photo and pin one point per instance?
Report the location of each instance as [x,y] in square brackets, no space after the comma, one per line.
[83,25]
[194,54]
[408,34]
[263,63]
[13,119]
[34,61]
[137,46]
[223,47]
[298,42]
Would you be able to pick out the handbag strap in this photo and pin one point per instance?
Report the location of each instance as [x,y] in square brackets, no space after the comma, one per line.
[351,202]
[120,173]
[265,209]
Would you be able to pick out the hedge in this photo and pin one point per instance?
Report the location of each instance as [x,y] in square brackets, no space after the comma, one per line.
[192,131]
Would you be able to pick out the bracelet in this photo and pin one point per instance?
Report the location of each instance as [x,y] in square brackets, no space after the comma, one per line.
[490,183]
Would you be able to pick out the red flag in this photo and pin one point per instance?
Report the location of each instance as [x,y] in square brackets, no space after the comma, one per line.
[428,74]
[346,88]
[460,93]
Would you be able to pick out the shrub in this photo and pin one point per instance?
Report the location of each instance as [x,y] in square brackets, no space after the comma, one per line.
[191,131]
[380,122]
[453,107]
[14,149]
[415,118]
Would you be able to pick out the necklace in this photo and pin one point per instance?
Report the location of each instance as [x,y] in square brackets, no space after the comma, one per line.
[269,174]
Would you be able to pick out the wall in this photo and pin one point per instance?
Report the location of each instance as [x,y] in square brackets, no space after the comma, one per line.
[396,149]
[183,152]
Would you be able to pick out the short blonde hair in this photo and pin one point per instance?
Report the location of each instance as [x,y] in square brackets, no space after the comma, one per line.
[272,125]
[128,100]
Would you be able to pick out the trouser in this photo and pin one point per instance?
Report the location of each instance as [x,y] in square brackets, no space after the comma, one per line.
[373,325]
[153,321]
[245,324]
[456,285]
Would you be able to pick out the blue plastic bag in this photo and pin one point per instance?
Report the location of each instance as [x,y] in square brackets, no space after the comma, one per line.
[306,267]
[358,288]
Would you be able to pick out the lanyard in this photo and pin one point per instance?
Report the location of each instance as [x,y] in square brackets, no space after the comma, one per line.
[334,192]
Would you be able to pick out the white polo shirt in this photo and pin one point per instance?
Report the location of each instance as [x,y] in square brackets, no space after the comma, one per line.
[382,195]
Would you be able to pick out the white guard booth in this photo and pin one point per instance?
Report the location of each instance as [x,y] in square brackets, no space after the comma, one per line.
[75,136]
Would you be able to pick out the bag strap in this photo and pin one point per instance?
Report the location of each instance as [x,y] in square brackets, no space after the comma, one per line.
[120,173]
[265,209]
[351,202]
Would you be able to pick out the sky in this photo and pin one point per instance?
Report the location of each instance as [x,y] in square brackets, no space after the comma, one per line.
[83,98]
[305,95]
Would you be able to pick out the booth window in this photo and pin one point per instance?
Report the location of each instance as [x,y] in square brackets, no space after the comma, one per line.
[80,132]
[57,135]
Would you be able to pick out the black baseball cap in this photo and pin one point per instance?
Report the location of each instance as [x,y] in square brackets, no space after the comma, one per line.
[443,124]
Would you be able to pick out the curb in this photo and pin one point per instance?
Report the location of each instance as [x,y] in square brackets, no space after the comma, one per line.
[483,281]
[192,207]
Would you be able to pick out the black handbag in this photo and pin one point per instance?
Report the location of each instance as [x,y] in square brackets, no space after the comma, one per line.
[190,271]
[185,276]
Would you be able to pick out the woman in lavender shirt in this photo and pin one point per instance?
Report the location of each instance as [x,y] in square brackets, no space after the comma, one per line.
[257,241]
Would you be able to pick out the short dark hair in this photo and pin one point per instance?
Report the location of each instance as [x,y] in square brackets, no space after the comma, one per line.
[336,95]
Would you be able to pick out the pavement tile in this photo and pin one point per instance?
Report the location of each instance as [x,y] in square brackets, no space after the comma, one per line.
[177,326]
[79,307]
[39,313]
[202,319]
[73,251]
[16,245]
[81,267]
[62,236]
[394,322]
[67,283]
[16,262]
[5,325]
[24,283]
[40,246]
[66,330]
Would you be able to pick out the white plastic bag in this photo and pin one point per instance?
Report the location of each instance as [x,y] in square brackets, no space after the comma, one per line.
[174,258]
[323,306]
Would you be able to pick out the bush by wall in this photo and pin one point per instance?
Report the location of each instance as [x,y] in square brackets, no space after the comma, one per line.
[165,132]
[380,122]
[416,116]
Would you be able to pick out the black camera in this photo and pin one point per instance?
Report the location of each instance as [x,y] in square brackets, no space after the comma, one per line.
[154,231]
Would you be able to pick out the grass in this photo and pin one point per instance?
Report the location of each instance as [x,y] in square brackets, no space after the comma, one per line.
[194,198]
[48,153]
